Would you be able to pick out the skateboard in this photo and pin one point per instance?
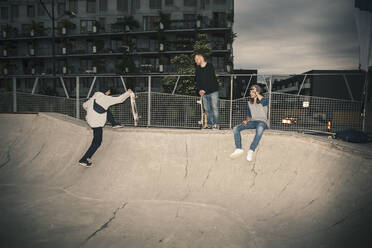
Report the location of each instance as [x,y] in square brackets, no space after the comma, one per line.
[203,115]
[134,109]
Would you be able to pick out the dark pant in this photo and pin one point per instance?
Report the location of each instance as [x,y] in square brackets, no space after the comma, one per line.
[111,119]
[96,142]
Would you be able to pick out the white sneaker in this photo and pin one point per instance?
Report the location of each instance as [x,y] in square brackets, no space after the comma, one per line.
[236,153]
[117,126]
[250,155]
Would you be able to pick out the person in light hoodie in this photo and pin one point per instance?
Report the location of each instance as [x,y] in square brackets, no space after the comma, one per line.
[97,115]
[256,118]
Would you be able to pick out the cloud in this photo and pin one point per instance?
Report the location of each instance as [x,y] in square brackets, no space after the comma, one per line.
[294,36]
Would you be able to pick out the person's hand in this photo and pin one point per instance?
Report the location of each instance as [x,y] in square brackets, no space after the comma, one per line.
[201,92]
[245,121]
[130,91]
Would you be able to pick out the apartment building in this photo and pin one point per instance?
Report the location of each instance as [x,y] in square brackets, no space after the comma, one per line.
[110,36]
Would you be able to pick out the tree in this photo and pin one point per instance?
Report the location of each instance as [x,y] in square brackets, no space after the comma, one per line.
[127,65]
[185,66]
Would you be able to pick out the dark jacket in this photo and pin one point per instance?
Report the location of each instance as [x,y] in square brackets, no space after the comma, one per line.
[206,79]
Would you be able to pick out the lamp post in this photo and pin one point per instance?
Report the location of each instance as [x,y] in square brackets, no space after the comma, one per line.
[51,15]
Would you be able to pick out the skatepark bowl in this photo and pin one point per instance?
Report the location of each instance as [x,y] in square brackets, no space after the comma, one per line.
[178,188]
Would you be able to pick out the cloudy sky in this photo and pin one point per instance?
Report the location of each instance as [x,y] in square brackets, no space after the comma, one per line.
[294,36]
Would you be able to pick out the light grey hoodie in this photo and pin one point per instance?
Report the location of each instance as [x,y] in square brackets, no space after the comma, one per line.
[95,119]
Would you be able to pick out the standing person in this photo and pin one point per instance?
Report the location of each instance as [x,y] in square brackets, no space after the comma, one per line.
[256,118]
[97,114]
[207,86]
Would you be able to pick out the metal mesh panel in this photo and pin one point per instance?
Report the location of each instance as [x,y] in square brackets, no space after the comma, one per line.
[294,113]
[224,113]
[287,111]
[123,113]
[71,107]
[6,102]
[239,111]
[174,111]
[40,103]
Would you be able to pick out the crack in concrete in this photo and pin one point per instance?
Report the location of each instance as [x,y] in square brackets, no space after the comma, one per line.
[209,172]
[105,225]
[7,161]
[254,171]
[187,160]
[282,191]
[37,154]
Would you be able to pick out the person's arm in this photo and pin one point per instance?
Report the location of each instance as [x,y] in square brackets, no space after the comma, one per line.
[198,82]
[112,100]
[264,101]
[248,116]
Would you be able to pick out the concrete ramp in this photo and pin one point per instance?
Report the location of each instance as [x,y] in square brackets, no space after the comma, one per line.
[178,188]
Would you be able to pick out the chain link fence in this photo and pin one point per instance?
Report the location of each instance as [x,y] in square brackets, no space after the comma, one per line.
[289,112]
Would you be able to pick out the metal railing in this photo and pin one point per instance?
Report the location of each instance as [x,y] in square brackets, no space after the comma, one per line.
[292,112]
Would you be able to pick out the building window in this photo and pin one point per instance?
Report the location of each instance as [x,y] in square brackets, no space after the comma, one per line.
[40,10]
[155,4]
[61,8]
[204,3]
[102,5]
[122,5]
[4,13]
[91,6]
[73,5]
[219,1]
[102,24]
[189,3]
[14,11]
[149,22]
[137,4]
[168,2]
[86,26]
[30,10]
[25,28]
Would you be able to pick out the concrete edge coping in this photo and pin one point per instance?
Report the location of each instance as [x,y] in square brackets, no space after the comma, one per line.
[364,150]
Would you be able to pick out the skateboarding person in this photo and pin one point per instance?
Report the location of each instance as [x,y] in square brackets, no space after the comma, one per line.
[110,117]
[207,87]
[256,118]
[97,115]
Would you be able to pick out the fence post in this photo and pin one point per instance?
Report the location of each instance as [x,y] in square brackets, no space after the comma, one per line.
[365,103]
[270,98]
[77,93]
[14,94]
[149,103]
[231,99]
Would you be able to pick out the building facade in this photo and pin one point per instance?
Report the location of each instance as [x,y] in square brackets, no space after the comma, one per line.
[110,36]
[336,84]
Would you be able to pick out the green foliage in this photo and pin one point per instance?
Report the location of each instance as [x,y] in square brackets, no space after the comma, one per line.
[126,66]
[37,26]
[165,19]
[185,65]
[68,24]
[202,45]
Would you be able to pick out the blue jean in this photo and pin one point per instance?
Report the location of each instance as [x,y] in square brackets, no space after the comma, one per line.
[210,103]
[260,127]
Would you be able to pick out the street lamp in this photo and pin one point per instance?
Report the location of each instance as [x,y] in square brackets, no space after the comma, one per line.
[53,19]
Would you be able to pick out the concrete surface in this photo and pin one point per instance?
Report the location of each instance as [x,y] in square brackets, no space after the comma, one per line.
[178,188]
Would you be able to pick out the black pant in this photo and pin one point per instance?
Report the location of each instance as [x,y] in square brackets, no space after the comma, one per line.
[111,119]
[96,142]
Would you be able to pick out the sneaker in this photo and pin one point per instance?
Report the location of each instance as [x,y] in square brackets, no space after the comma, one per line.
[208,127]
[117,126]
[215,126]
[250,155]
[236,153]
[85,163]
